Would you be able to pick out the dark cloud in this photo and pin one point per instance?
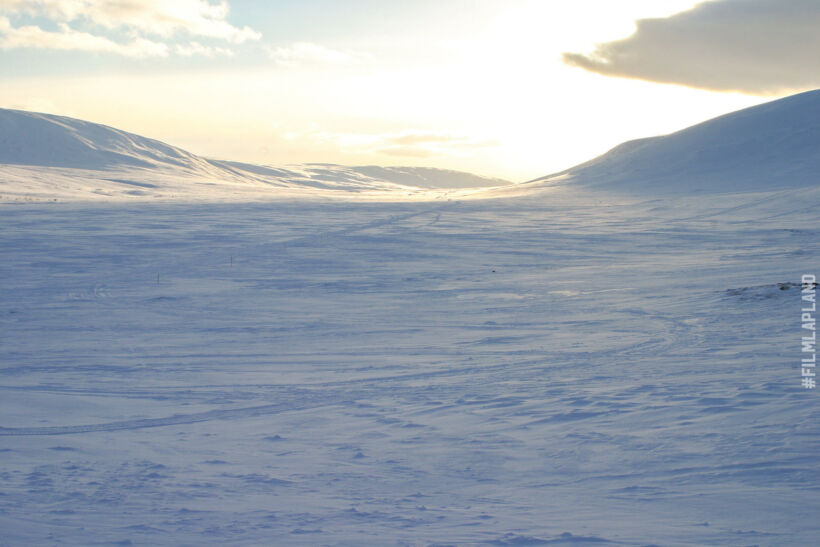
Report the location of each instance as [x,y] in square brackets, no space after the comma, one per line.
[752,46]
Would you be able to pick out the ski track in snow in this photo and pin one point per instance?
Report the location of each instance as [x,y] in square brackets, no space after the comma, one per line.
[513,372]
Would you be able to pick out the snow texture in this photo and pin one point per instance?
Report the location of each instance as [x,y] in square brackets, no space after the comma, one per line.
[572,367]
[774,146]
[53,158]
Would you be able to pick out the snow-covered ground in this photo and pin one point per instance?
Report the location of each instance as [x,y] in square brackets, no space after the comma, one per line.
[564,371]
[201,352]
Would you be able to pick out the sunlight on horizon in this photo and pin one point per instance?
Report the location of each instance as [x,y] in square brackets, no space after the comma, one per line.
[498,102]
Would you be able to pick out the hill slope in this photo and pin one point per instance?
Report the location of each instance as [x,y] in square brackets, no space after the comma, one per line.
[44,156]
[774,146]
[28,138]
[770,147]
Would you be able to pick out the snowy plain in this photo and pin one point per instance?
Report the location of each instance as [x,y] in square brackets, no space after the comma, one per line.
[497,373]
[574,367]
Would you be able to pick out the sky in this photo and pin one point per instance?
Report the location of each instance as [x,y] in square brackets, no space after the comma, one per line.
[515,89]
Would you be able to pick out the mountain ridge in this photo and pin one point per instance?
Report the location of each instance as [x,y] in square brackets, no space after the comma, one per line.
[774,146]
[98,161]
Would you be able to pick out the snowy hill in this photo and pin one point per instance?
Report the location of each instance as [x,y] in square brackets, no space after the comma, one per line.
[774,146]
[48,157]
[771,147]
[579,368]
[28,138]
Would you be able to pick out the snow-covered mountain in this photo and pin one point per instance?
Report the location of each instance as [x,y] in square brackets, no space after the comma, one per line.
[44,156]
[770,147]
[774,146]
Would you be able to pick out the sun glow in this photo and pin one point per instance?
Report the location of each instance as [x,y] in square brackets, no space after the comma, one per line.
[493,98]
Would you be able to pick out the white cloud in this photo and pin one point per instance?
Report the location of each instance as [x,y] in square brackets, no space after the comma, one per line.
[66,39]
[195,48]
[418,138]
[753,46]
[142,20]
[153,17]
[310,54]
[408,143]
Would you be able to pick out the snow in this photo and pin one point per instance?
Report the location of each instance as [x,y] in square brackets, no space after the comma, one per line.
[773,146]
[54,158]
[443,373]
[46,140]
[569,367]
[770,147]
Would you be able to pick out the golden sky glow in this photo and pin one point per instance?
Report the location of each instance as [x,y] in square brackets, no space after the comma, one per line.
[489,94]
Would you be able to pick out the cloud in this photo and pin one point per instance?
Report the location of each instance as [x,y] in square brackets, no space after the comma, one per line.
[407,152]
[195,48]
[310,54]
[154,17]
[82,25]
[421,138]
[753,46]
[408,143]
[66,39]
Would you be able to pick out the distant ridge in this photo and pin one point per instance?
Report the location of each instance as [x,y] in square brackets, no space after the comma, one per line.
[770,147]
[44,156]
